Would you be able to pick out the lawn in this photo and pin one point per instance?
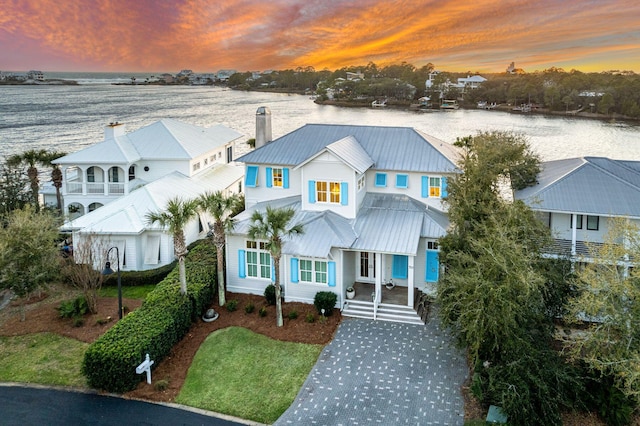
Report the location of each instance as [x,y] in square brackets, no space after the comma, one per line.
[43,358]
[244,374]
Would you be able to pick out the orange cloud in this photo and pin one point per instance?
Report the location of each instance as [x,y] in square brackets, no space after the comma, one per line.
[206,35]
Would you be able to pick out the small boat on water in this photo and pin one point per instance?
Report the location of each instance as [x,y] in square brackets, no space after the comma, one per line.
[522,108]
[379,104]
[449,104]
[486,105]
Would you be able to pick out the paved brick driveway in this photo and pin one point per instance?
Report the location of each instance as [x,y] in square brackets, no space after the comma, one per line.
[378,372]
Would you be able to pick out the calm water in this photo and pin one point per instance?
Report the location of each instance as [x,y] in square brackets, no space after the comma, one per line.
[67,118]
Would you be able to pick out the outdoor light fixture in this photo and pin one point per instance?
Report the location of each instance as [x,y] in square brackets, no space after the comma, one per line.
[108,271]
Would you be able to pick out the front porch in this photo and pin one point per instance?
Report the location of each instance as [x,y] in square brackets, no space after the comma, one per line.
[393,305]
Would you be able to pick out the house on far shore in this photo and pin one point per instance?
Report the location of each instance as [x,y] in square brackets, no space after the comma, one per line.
[108,188]
[370,200]
[579,198]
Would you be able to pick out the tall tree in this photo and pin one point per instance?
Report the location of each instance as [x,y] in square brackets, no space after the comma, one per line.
[56,174]
[174,218]
[13,188]
[221,208]
[29,257]
[609,300]
[273,226]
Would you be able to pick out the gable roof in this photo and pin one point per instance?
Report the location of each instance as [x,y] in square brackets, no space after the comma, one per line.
[166,139]
[390,148]
[127,214]
[588,185]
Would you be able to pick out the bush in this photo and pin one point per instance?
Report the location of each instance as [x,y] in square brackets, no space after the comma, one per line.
[293,315]
[138,278]
[162,320]
[73,308]
[262,312]
[270,294]
[310,318]
[249,307]
[325,300]
[232,305]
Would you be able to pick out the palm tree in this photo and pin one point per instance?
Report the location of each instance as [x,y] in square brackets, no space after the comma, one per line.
[56,174]
[176,215]
[272,226]
[221,209]
[32,158]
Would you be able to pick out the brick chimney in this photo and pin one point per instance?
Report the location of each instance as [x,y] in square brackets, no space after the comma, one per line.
[263,126]
[113,130]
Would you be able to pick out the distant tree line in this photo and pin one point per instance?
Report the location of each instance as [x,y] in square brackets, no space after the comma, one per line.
[607,93]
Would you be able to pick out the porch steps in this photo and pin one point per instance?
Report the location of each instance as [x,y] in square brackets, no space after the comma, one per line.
[386,312]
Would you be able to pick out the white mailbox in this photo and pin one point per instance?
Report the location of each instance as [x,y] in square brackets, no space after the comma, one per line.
[145,367]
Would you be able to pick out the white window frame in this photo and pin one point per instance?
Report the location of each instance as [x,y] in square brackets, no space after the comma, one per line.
[261,268]
[361,182]
[329,192]
[277,177]
[435,191]
[316,271]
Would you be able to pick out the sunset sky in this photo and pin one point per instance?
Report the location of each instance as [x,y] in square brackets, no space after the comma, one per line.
[209,35]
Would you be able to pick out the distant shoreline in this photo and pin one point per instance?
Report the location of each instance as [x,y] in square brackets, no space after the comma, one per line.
[48,82]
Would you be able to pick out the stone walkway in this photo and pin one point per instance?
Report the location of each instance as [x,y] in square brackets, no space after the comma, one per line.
[378,372]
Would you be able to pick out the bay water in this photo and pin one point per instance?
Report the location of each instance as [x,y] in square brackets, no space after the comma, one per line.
[69,117]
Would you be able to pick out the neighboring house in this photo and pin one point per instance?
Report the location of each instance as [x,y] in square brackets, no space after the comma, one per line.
[579,197]
[106,171]
[123,224]
[471,82]
[370,201]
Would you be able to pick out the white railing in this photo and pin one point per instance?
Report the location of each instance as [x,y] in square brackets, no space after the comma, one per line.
[95,188]
[74,188]
[116,188]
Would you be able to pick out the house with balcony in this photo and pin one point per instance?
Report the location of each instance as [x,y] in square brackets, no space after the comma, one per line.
[370,200]
[122,162]
[580,197]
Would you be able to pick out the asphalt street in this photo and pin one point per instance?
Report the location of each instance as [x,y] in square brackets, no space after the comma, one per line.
[36,406]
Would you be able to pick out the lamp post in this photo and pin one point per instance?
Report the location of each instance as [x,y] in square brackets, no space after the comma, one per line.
[108,271]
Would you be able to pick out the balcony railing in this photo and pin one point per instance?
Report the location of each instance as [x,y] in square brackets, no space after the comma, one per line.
[74,188]
[96,188]
[116,188]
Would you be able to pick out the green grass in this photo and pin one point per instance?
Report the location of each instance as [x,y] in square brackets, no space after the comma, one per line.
[244,374]
[136,292]
[43,358]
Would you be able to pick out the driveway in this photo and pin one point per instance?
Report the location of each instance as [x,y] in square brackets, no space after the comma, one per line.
[378,372]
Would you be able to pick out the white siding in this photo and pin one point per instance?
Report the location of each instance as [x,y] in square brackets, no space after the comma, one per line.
[561,228]
[236,284]
[329,168]
[261,193]
[413,190]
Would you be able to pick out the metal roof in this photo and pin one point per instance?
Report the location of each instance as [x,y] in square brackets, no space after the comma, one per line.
[589,185]
[390,148]
[166,139]
[386,223]
[127,214]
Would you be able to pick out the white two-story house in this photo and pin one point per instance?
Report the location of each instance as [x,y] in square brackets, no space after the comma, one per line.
[123,161]
[579,197]
[371,202]
[131,174]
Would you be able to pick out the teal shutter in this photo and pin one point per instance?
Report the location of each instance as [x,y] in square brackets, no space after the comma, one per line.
[402,181]
[312,191]
[443,184]
[425,187]
[400,266]
[294,270]
[251,180]
[269,177]
[242,273]
[332,273]
[344,193]
[285,178]
[381,179]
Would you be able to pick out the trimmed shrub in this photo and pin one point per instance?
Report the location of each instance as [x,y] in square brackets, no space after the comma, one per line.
[310,318]
[73,308]
[249,307]
[270,294]
[262,312]
[138,278]
[232,305]
[325,300]
[161,322]
[293,315]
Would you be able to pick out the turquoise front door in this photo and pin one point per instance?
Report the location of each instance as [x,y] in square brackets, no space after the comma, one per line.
[433,266]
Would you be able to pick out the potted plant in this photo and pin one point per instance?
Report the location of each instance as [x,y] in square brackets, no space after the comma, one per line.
[351,292]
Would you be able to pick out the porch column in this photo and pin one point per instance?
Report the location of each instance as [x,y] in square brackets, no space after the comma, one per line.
[378,285]
[410,281]
[574,232]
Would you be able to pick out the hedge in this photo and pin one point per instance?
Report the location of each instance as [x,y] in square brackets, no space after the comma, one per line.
[162,321]
[138,278]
